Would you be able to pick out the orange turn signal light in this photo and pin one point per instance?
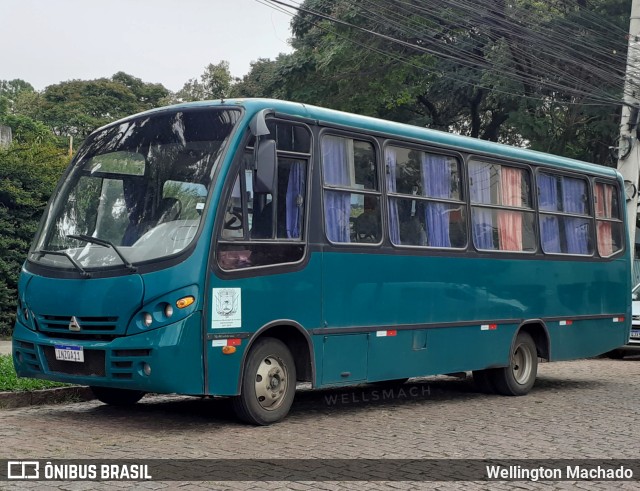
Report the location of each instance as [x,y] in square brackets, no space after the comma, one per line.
[228,350]
[184,302]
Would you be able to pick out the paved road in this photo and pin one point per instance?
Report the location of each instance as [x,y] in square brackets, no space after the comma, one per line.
[581,409]
[5,347]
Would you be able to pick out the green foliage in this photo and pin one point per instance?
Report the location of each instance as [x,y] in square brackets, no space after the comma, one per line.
[214,83]
[9,381]
[78,107]
[454,70]
[28,175]
[11,90]
[26,130]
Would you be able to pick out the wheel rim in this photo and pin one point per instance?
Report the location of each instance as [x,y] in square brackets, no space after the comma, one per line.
[271,383]
[522,364]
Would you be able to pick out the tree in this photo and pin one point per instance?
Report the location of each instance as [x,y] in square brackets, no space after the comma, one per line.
[266,78]
[214,83]
[78,107]
[147,95]
[10,90]
[28,175]
[489,70]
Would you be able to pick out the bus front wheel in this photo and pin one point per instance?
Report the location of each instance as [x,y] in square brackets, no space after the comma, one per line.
[268,384]
[117,397]
[518,378]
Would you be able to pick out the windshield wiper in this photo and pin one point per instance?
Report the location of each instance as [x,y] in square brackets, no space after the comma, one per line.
[105,243]
[84,273]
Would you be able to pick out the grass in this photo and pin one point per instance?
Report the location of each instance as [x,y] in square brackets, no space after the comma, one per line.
[9,381]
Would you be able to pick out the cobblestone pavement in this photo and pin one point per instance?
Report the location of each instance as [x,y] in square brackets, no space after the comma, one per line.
[581,409]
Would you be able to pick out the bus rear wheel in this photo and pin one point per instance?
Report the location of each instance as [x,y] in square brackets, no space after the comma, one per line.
[117,397]
[268,384]
[518,378]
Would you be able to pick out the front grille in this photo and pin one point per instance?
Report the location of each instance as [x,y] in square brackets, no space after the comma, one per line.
[93,365]
[91,324]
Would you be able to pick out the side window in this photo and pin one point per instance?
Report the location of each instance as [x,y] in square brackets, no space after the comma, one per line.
[565,220]
[608,223]
[502,215]
[351,191]
[425,202]
[264,228]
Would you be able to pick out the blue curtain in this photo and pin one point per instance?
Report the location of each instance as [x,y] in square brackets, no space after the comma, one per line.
[337,204]
[295,200]
[576,229]
[436,181]
[548,201]
[394,222]
[481,219]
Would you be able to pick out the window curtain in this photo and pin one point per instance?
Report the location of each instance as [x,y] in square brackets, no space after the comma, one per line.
[548,201]
[482,219]
[436,181]
[576,229]
[604,195]
[295,200]
[510,222]
[394,222]
[337,204]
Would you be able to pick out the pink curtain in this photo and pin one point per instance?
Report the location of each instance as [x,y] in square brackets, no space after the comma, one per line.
[510,222]
[604,195]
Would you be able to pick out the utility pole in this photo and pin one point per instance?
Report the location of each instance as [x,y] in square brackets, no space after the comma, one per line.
[628,148]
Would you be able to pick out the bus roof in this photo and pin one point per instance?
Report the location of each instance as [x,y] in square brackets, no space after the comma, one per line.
[401,130]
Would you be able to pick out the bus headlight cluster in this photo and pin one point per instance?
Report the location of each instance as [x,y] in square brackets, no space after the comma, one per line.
[170,308]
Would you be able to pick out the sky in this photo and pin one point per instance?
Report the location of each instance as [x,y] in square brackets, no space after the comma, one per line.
[46,42]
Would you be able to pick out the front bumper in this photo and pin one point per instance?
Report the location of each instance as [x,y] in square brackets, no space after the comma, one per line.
[173,353]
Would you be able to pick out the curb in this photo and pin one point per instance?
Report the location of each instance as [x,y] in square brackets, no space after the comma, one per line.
[59,395]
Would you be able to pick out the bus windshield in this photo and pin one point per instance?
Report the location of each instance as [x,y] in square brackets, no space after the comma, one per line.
[136,191]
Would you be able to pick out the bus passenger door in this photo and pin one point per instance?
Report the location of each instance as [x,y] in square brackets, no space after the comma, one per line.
[264,278]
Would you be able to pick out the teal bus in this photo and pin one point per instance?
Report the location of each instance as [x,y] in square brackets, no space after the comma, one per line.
[235,248]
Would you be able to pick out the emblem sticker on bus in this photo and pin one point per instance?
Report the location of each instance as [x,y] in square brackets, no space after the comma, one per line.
[227,308]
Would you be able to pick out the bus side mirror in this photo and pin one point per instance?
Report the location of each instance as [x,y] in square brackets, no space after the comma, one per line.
[266,164]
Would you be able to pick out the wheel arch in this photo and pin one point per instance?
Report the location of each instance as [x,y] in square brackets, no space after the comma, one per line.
[537,329]
[296,338]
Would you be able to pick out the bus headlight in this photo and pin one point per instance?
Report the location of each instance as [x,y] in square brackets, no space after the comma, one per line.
[168,310]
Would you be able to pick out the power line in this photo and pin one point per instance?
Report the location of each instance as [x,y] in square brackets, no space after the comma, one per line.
[401,21]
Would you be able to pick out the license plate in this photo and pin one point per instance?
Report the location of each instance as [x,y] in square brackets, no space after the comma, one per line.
[635,334]
[69,353]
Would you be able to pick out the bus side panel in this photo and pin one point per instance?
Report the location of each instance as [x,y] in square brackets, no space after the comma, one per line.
[370,292]
[413,353]
[278,299]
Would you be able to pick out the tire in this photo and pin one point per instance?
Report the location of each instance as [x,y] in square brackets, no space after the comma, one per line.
[117,397]
[483,381]
[518,378]
[268,383]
